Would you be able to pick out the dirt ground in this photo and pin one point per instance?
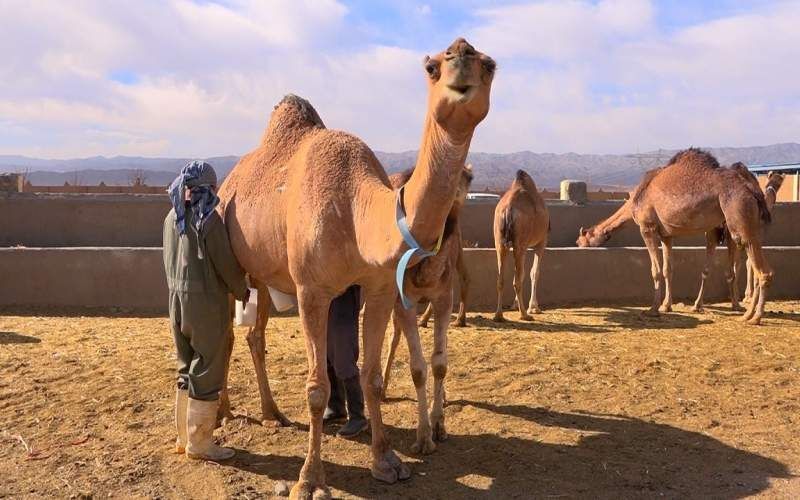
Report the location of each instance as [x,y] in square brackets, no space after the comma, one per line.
[584,402]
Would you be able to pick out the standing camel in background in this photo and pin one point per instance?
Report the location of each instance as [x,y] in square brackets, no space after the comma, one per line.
[311,212]
[521,221]
[693,194]
[774,183]
[601,232]
[431,280]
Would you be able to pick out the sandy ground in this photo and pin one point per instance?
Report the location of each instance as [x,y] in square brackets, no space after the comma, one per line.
[586,402]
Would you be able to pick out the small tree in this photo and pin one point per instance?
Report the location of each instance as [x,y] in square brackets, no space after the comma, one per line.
[75,178]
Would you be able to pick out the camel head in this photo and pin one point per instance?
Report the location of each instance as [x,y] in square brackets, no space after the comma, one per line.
[775,180]
[591,237]
[459,83]
[463,186]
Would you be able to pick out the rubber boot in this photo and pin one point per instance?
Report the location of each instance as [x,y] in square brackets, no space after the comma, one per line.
[181,402]
[201,421]
[356,422]
[335,410]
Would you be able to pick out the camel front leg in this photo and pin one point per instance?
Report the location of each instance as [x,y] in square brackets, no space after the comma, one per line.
[256,339]
[762,277]
[533,306]
[666,249]
[443,306]
[502,253]
[732,276]
[386,466]
[711,246]
[519,280]
[748,290]
[314,306]
[463,289]
[387,370]
[651,240]
[419,374]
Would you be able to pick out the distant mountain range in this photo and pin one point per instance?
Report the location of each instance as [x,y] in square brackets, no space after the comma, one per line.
[493,171]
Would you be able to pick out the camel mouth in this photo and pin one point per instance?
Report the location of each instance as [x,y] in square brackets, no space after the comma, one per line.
[461,92]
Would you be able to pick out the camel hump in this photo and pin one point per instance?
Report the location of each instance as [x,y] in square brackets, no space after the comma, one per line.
[291,119]
[694,157]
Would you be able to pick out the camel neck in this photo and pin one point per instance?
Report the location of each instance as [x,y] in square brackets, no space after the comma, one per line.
[429,193]
[770,196]
[617,219]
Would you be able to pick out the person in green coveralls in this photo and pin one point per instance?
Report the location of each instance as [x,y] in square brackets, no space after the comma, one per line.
[201,271]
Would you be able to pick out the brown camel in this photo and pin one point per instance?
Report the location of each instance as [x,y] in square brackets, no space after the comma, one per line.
[431,280]
[521,221]
[310,212]
[774,183]
[693,194]
[600,233]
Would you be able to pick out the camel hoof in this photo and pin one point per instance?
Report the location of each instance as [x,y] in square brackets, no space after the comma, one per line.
[423,324]
[459,322]
[423,446]
[304,490]
[274,419]
[439,432]
[697,309]
[498,318]
[755,321]
[391,469]
[666,309]
[526,317]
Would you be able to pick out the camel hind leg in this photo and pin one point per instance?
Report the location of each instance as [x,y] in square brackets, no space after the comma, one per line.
[666,249]
[256,340]
[533,306]
[502,253]
[732,274]
[426,316]
[519,280]
[463,289]
[711,246]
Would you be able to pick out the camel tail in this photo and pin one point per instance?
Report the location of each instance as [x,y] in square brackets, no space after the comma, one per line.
[507,228]
[721,235]
[763,209]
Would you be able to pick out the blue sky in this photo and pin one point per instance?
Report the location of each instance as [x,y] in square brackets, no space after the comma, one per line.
[199,78]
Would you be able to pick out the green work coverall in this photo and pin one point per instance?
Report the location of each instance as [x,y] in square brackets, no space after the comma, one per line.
[200,274]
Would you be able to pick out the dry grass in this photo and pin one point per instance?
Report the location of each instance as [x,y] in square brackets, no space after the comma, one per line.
[587,402]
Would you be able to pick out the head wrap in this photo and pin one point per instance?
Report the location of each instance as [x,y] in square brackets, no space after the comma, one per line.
[201,179]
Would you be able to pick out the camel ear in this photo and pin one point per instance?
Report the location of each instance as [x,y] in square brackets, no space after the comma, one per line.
[431,67]
[468,167]
[582,231]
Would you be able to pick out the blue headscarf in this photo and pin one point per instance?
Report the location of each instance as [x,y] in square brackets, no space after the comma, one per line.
[200,177]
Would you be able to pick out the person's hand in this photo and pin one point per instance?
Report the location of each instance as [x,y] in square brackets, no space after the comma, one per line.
[246,296]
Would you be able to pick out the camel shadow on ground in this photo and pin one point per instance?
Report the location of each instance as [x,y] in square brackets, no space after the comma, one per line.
[7,338]
[538,325]
[608,457]
[630,317]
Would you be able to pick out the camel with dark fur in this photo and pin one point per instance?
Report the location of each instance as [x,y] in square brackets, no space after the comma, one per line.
[521,221]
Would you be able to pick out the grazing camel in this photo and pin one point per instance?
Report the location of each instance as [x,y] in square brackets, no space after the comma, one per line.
[521,221]
[774,183]
[311,212]
[693,194]
[431,280]
[601,232]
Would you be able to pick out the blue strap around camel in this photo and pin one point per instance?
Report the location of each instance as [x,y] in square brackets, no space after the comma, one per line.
[415,248]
